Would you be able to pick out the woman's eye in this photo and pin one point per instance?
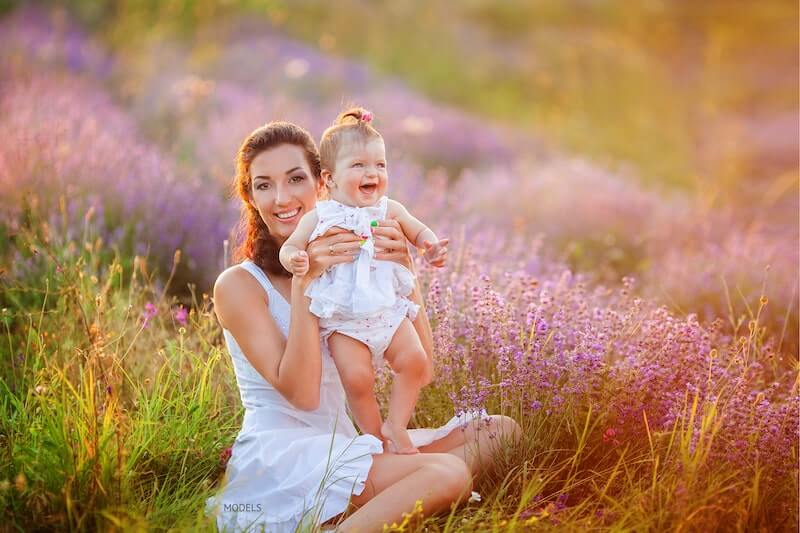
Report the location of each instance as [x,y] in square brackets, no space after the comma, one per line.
[262,186]
[297,179]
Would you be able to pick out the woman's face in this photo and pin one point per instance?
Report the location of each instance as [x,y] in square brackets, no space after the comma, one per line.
[283,188]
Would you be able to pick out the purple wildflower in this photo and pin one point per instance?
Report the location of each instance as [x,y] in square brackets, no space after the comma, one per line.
[150,311]
[181,315]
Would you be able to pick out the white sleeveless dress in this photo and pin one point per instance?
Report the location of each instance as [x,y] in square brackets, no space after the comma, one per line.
[289,467]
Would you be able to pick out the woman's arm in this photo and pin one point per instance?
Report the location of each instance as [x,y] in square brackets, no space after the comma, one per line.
[294,365]
[393,246]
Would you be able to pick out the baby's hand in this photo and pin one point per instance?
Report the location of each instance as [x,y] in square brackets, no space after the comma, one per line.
[435,253]
[300,263]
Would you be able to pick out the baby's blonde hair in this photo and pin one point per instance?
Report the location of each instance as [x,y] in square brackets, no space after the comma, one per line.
[355,122]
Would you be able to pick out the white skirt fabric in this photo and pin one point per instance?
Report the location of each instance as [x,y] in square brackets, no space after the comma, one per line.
[283,473]
[282,480]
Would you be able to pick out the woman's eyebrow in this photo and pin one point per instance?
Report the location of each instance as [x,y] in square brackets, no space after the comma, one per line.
[292,170]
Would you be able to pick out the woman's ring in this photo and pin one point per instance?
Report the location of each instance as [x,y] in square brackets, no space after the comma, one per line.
[330,249]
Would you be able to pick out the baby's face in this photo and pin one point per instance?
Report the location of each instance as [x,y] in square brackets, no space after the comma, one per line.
[360,177]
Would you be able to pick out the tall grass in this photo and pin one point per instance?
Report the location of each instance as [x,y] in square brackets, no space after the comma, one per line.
[112,415]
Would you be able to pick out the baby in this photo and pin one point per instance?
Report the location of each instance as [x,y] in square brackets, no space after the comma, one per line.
[363,306]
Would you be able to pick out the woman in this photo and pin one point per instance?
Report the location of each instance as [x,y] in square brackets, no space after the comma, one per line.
[298,459]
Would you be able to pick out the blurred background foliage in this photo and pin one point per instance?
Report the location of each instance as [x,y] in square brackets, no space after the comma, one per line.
[685,114]
[694,94]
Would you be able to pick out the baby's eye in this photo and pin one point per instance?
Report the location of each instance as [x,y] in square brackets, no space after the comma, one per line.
[381,165]
[358,164]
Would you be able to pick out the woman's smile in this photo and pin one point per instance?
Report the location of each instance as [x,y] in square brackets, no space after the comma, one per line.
[288,216]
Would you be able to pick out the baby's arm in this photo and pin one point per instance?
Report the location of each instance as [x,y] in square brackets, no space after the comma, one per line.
[420,235]
[293,255]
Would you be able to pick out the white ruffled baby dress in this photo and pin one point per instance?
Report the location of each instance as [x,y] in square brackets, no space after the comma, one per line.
[366,299]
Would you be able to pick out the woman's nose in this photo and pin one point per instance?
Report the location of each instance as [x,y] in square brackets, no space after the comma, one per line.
[281,195]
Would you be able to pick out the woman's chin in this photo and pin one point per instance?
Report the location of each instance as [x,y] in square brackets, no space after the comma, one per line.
[282,229]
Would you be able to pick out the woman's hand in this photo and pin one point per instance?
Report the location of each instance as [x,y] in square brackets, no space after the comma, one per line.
[335,246]
[391,244]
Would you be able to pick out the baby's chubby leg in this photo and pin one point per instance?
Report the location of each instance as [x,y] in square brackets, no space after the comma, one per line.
[408,360]
[354,364]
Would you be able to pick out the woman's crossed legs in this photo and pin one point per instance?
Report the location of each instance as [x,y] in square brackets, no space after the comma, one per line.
[440,476]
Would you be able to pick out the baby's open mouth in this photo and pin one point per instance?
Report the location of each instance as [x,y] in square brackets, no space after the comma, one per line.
[369,188]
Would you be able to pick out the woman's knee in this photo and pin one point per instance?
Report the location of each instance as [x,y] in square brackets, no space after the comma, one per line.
[454,475]
[506,428]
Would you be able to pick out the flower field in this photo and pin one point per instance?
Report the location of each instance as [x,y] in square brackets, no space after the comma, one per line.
[644,336]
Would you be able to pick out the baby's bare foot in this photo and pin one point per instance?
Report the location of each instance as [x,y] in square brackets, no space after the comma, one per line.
[399,438]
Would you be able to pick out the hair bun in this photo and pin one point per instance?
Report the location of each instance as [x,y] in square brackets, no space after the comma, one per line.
[355,121]
[354,115]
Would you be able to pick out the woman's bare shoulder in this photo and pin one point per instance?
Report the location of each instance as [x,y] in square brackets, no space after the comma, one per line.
[234,288]
[235,278]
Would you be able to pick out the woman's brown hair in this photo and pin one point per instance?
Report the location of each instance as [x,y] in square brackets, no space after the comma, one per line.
[255,241]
